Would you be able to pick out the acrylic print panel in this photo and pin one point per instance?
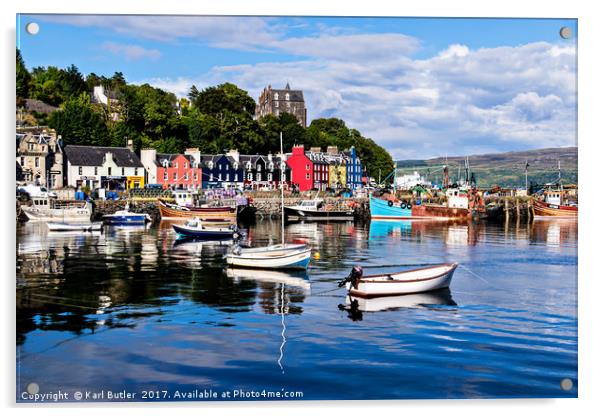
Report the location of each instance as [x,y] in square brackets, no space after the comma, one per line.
[437,154]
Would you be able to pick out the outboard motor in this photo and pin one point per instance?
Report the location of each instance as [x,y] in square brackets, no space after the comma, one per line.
[356,274]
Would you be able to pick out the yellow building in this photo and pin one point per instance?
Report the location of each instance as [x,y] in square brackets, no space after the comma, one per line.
[337,175]
[135,182]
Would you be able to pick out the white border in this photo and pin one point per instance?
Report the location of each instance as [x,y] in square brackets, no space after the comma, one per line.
[590,71]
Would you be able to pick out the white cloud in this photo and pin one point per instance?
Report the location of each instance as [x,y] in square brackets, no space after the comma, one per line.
[508,97]
[491,98]
[131,52]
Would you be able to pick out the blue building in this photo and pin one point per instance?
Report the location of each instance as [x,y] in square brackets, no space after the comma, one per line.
[354,169]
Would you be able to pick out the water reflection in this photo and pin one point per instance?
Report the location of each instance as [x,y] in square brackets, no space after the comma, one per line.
[124,289]
[356,306]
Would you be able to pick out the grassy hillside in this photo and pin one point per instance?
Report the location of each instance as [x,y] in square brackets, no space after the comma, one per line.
[504,169]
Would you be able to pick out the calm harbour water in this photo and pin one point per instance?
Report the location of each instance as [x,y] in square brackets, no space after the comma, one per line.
[131,309]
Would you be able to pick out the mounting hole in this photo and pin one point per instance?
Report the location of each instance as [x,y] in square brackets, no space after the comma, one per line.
[566,384]
[33,388]
[565,32]
[32,28]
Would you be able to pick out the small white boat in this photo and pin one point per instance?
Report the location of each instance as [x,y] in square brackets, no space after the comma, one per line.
[268,258]
[273,248]
[74,226]
[194,228]
[405,282]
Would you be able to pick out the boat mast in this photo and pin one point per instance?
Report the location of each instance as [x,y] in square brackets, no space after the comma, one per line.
[282,177]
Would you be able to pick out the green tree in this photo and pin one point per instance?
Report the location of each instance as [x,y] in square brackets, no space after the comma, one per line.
[78,123]
[23,77]
[224,97]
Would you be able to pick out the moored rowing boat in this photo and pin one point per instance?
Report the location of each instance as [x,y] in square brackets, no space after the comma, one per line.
[399,283]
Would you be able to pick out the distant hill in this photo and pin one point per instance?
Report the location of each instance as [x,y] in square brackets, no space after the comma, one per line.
[504,169]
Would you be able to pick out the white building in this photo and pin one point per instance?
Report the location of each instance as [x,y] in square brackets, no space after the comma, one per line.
[406,182]
[103,167]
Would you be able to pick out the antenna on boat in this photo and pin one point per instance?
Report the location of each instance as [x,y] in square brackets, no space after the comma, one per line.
[282,177]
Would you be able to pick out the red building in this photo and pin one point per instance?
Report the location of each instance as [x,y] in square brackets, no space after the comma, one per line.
[302,168]
[178,171]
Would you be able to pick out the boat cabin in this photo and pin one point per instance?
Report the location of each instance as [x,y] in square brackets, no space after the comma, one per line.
[553,197]
[184,198]
[311,204]
[456,198]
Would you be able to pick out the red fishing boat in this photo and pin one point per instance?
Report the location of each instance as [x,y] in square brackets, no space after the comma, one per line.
[207,213]
[555,203]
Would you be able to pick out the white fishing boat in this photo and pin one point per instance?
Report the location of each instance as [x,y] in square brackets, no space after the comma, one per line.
[404,282]
[48,209]
[316,210]
[276,256]
[74,226]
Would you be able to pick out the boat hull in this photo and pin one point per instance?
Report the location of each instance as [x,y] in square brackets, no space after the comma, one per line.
[387,210]
[57,214]
[291,259]
[543,209]
[297,214]
[382,210]
[204,234]
[412,281]
[205,213]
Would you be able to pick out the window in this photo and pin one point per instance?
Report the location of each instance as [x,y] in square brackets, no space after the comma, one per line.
[236,177]
[275,96]
[220,177]
[175,176]
[109,171]
[250,176]
[227,177]
[196,176]
[135,171]
[30,146]
[258,167]
[122,171]
[175,165]
[185,176]
[259,177]
[165,176]
[248,165]
[287,96]
[307,167]
[185,165]
[269,177]
[37,162]
[96,170]
[22,161]
[211,177]
[277,103]
[307,176]
[80,170]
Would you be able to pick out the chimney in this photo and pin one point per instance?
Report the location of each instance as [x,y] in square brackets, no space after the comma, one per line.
[234,153]
[130,145]
[315,149]
[147,157]
[270,156]
[332,150]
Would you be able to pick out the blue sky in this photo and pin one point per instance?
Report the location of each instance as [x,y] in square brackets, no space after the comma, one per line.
[421,87]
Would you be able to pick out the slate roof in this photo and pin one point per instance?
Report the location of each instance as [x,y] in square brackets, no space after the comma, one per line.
[94,156]
[170,157]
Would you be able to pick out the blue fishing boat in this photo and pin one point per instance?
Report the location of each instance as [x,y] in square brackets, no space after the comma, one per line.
[125,217]
[388,210]
[195,229]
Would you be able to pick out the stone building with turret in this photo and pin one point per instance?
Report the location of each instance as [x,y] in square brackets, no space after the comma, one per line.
[276,102]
